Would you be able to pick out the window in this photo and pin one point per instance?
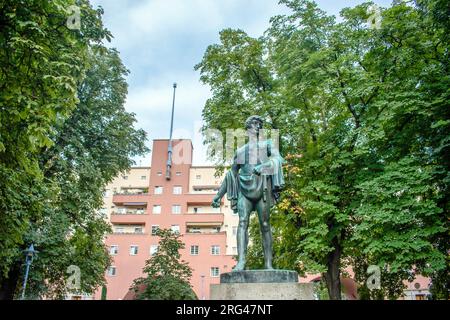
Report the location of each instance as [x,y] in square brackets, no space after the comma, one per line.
[155,228]
[143,177]
[198,177]
[215,271]
[138,230]
[111,271]
[194,250]
[121,210]
[140,211]
[178,173]
[113,250]
[153,249]
[175,228]
[158,190]
[176,209]
[157,209]
[215,250]
[177,190]
[106,193]
[234,231]
[133,250]
[159,173]
[195,210]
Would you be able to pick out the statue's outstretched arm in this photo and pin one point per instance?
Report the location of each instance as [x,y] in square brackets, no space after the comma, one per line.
[222,191]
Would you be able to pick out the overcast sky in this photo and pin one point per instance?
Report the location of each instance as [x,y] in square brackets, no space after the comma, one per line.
[160,41]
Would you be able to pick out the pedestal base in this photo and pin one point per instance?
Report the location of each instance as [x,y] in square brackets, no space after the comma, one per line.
[259,276]
[261,285]
[262,291]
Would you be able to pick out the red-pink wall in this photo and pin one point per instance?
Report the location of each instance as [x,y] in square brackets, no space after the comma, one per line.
[129,267]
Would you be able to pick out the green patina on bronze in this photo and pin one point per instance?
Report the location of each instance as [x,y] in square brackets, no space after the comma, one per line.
[252,184]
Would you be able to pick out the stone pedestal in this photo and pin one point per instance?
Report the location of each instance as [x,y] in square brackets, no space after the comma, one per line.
[261,285]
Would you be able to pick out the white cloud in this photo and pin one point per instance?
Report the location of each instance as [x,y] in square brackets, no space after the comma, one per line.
[160,41]
[161,17]
[152,104]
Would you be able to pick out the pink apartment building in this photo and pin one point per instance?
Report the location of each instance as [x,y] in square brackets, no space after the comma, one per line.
[139,204]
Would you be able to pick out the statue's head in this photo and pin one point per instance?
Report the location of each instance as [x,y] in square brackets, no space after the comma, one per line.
[253,124]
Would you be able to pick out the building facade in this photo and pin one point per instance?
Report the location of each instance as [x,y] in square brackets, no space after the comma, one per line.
[142,200]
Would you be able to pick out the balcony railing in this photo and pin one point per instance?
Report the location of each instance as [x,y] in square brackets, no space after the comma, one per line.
[131,199]
[128,232]
[136,211]
[129,218]
[131,193]
[210,232]
[202,218]
[207,188]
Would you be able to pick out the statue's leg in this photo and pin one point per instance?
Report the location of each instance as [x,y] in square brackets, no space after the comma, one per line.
[263,209]
[245,207]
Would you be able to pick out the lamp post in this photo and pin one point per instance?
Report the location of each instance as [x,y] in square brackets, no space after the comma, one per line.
[29,255]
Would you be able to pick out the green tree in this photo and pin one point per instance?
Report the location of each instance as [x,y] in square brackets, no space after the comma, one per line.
[57,205]
[356,107]
[41,64]
[167,278]
[89,149]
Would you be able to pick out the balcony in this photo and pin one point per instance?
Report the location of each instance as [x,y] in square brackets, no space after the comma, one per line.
[205,233]
[204,218]
[206,188]
[128,211]
[128,233]
[131,199]
[199,199]
[130,229]
[128,218]
[132,191]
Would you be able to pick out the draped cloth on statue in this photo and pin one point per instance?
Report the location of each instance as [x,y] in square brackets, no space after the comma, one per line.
[277,179]
[270,182]
[232,189]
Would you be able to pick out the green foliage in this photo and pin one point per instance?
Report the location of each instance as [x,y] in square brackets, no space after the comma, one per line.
[89,149]
[320,290]
[64,134]
[363,117]
[167,278]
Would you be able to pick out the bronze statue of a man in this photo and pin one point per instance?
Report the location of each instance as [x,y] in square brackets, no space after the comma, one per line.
[252,184]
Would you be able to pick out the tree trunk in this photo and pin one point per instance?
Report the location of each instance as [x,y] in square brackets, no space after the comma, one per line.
[8,285]
[332,276]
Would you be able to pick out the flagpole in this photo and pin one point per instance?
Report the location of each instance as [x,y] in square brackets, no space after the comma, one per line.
[169,151]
